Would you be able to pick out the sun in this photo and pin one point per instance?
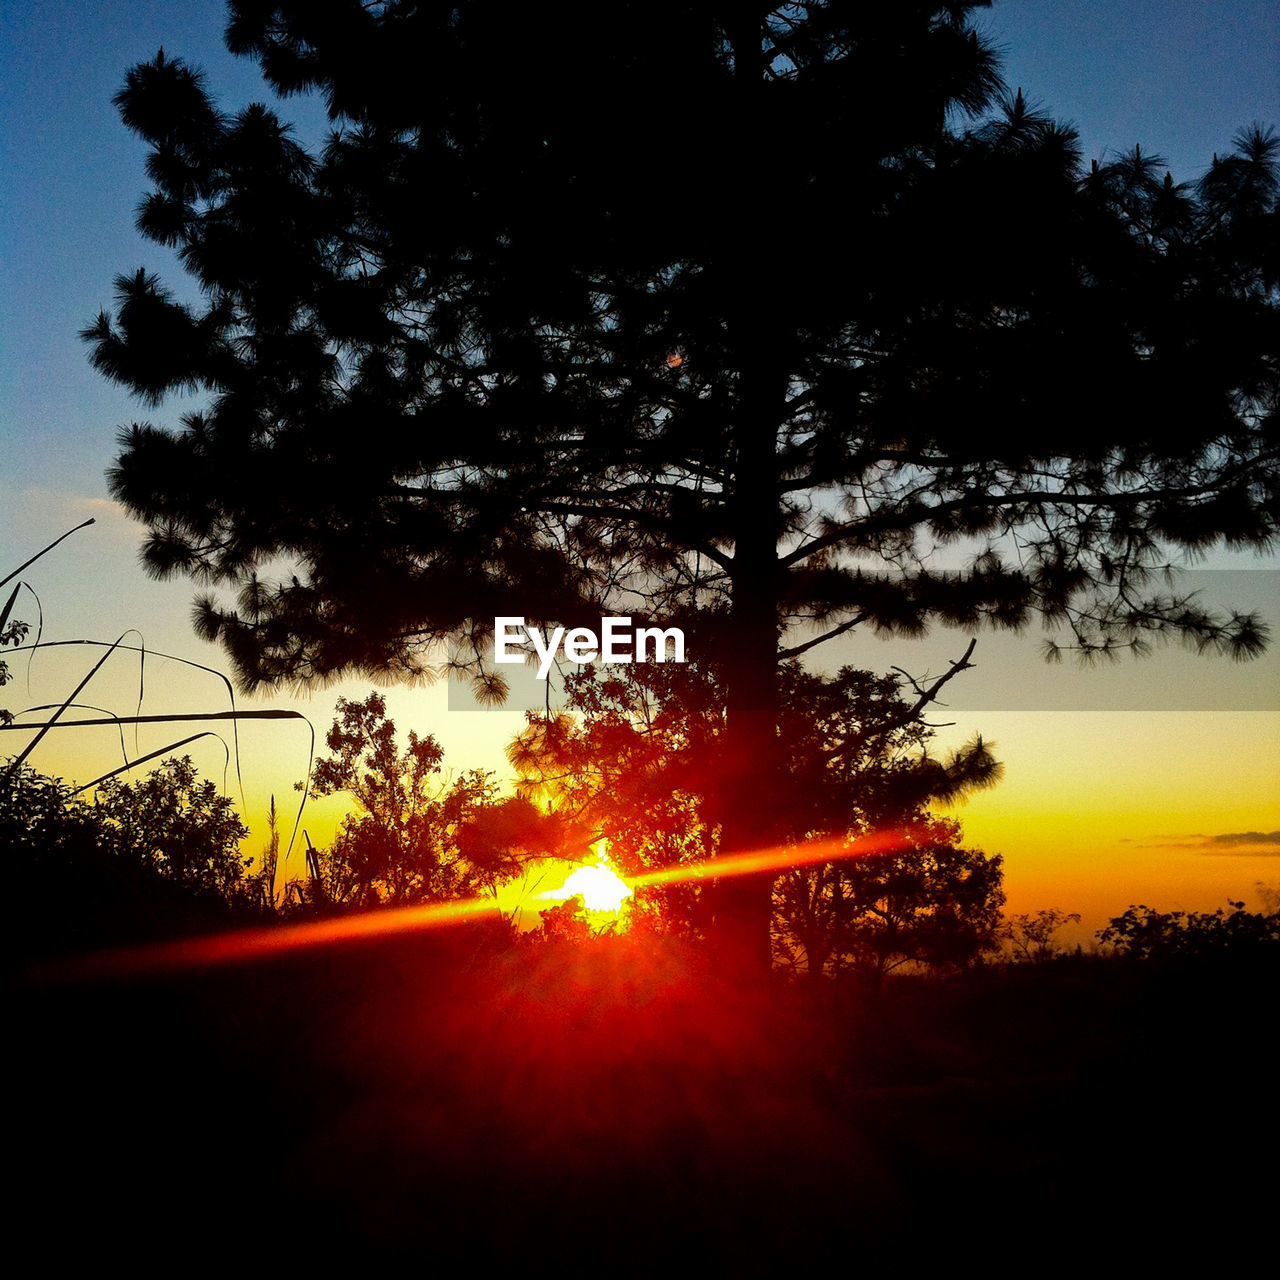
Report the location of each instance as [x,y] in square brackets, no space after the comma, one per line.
[600,887]
[602,890]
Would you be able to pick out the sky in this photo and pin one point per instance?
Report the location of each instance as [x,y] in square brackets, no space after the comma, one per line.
[1137,783]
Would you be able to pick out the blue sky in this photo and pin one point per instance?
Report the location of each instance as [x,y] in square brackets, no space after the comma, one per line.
[1180,78]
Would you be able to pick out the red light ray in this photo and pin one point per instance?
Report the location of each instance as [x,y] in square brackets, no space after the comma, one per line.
[243,945]
[777,858]
[249,944]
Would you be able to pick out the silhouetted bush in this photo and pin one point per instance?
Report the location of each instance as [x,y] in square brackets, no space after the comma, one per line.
[152,859]
[1160,935]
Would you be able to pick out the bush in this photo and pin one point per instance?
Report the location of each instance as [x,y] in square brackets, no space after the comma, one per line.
[1159,935]
[152,859]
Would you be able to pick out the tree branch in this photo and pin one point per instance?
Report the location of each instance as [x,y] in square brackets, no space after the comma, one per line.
[928,695]
[796,650]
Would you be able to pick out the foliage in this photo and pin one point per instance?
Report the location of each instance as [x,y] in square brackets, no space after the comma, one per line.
[934,903]
[564,922]
[746,312]
[1031,937]
[415,837]
[148,859]
[40,823]
[634,760]
[180,827]
[629,761]
[549,376]
[1161,935]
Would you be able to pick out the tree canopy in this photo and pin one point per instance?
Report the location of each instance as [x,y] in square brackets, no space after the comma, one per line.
[631,760]
[767,313]
[416,836]
[179,826]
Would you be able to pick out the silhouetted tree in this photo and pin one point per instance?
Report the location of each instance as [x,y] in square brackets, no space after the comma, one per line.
[179,826]
[674,307]
[1031,937]
[632,760]
[931,903]
[155,857]
[416,836]
[1163,935]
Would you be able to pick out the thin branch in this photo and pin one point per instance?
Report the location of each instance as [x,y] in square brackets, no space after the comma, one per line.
[798,649]
[929,694]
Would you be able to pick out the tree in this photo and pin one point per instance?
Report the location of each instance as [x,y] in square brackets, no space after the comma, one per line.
[180,827]
[751,312]
[1148,934]
[142,860]
[631,760]
[932,903]
[57,870]
[415,838]
[1031,938]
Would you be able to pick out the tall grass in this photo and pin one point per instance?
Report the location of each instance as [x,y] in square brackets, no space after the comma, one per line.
[11,635]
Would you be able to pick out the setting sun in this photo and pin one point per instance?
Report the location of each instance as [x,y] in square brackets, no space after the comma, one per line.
[599,886]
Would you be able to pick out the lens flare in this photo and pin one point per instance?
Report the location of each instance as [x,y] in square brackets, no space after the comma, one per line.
[599,885]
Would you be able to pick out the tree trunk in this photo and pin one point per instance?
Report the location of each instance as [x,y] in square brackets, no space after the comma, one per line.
[749,761]
[743,905]
[751,778]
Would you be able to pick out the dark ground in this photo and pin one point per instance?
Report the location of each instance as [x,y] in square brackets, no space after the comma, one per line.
[609,1109]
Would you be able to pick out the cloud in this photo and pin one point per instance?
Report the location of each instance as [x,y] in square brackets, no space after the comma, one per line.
[36,511]
[78,504]
[1245,837]
[1254,844]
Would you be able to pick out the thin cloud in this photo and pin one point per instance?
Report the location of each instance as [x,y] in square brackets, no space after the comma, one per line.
[1256,844]
[53,510]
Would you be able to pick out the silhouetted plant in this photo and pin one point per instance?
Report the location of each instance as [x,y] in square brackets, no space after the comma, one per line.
[13,631]
[563,922]
[934,903]
[417,836]
[1031,938]
[1148,934]
[152,858]
[181,827]
[168,829]
[262,881]
[634,760]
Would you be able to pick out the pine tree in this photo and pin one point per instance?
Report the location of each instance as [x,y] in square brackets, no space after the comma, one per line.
[704,308]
